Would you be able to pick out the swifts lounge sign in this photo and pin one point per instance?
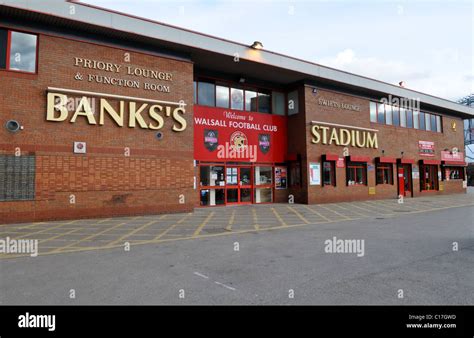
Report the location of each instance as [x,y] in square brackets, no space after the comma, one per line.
[341,135]
[142,113]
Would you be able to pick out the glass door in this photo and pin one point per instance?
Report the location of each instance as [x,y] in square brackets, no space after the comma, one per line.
[245,183]
[232,185]
[238,185]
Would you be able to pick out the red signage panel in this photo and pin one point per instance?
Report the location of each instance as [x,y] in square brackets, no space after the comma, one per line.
[452,156]
[229,135]
[426,148]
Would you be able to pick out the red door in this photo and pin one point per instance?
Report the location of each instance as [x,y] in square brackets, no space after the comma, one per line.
[238,185]
[401,182]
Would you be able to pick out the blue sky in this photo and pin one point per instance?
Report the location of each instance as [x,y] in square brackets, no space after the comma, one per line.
[427,44]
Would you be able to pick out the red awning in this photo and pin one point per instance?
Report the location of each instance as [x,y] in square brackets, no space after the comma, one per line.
[359,158]
[455,163]
[386,159]
[431,162]
[406,161]
[331,157]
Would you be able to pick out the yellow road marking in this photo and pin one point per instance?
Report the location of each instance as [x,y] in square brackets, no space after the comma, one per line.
[92,236]
[45,230]
[71,250]
[279,217]
[172,227]
[348,209]
[334,211]
[298,214]
[136,230]
[317,213]
[199,228]
[255,219]
[231,221]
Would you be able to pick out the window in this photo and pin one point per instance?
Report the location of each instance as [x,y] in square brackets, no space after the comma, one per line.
[356,173]
[373,112]
[422,121]
[211,176]
[17,177]
[409,119]
[433,122]
[250,100]
[264,179]
[396,116]
[21,48]
[453,173]
[428,177]
[206,94]
[380,113]
[237,99]
[278,103]
[222,97]
[403,117]
[329,173]
[264,103]
[416,119]
[438,124]
[293,105]
[388,114]
[384,173]
[427,122]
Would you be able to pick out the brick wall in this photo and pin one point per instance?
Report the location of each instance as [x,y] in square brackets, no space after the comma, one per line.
[391,139]
[105,182]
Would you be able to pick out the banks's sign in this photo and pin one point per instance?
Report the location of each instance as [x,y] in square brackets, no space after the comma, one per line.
[99,109]
[326,133]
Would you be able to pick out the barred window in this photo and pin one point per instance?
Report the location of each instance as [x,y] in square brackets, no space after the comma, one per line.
[17,178]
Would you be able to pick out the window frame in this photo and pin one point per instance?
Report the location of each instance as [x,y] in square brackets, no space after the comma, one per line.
[332,174]
[383,167]
[462,173]
[353,166]
[8,50]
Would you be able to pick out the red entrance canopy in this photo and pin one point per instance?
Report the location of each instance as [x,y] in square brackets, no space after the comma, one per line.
[406,161]
[330,157]
[455,163]
[359,158]
[431,162]
[386,159]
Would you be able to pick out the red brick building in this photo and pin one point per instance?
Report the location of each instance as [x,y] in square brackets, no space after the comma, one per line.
[105,114]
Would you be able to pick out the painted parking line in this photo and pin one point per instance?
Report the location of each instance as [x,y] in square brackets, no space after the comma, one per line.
[317,213]
[137,230]
[255,219]
[277,215]
[300,216]
[172,227]
[203,224]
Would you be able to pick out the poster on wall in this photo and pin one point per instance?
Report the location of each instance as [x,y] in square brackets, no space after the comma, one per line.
[415,173]
[426,148]
[340,162]
[280,178]
[315,174]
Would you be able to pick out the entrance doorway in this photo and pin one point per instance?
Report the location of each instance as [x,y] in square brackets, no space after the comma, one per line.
[405,185]
[238,185]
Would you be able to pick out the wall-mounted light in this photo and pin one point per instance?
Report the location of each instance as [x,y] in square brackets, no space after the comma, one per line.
[402,152]
[242,80]
[257,45]
[383,151]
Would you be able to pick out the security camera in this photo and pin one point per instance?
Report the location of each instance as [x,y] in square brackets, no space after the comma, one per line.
[159,135]
[12,126]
